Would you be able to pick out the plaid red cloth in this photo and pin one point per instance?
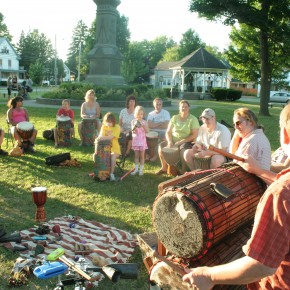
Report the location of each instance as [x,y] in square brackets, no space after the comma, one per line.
[115,245]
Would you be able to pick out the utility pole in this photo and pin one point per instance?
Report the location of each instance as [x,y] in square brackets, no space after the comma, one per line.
[55,63]
[79,65]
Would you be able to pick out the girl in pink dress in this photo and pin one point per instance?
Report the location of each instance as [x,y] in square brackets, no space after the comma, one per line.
[139,144]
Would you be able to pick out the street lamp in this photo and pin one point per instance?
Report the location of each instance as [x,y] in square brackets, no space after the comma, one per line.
[55,63]
[79,65]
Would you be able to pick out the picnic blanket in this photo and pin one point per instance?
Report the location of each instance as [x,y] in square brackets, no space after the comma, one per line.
[113,244]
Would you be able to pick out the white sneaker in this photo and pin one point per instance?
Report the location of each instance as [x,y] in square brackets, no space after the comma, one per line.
[112,177]
[134,172]
[140,172]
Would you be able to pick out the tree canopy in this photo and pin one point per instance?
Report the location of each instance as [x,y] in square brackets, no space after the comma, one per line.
[4,32]
[270,18]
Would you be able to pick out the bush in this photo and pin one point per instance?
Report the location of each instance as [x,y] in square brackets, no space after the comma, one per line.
[77,91]
[226,94]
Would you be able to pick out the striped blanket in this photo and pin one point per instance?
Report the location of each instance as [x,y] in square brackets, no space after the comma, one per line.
[115,245]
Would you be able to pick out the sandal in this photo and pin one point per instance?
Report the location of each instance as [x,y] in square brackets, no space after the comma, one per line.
[160,172]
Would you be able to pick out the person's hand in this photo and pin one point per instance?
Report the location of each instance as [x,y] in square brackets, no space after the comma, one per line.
[201,153]
[170,144]
[250,164]
[198,278]
[178,143]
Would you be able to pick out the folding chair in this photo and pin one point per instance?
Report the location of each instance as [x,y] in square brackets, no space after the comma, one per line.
[9,136]
[120,163]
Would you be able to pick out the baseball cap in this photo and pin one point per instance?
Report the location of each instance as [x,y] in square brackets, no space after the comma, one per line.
[207,113]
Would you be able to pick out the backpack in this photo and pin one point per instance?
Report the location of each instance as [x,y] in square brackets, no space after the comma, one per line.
[48,134]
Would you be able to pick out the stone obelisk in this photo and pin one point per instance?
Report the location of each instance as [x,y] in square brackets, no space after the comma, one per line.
[105,57]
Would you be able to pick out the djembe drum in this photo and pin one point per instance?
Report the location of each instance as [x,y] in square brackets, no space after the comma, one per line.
[25,131]
[201,162]
[63,131]
[102,159]
[39,198]
[172,157]
[152,142]
[88,131]
[189,219]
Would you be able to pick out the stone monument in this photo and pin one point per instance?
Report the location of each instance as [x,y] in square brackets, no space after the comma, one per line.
[105,57]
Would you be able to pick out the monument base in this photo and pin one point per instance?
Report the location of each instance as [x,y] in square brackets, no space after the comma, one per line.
[105,80]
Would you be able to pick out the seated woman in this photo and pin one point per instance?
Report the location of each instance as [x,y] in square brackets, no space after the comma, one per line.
[111,131]
[249,138]
[2,152]
[125,118]
[64,112]
[15,115]
[182,131]
[90,114]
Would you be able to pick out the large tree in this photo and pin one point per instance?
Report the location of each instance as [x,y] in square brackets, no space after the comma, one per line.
[4,32]
[244,57]
[269,17]
[34,46]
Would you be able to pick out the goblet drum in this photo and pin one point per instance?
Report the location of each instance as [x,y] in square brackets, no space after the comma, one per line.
[152,142]
[39,198]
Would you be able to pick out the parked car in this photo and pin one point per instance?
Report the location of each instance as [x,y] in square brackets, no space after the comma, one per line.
[281,97]
[46,83]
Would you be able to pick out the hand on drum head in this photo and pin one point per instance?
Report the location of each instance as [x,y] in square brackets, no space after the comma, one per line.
[250,164]
[198,278]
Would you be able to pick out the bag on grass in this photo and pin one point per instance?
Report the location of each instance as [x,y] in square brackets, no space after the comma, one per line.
[48,134]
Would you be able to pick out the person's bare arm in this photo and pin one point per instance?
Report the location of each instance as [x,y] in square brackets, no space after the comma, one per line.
[239,272]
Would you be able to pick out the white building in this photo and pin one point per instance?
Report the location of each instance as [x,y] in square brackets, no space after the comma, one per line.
[9,61]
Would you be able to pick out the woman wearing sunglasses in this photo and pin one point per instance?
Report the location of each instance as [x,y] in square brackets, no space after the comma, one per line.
[249,138]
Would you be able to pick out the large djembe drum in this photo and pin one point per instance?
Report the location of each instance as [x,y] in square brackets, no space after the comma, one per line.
[201,162]
[39,198]
[189,219]
[88,131]
[102,159]
[63,131]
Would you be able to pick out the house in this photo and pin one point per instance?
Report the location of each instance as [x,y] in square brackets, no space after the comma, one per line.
[9,61]
[197,72]
[67,77]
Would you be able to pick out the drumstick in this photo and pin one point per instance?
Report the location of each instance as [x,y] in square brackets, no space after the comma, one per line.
[169,263]
[126,174]
[225,153]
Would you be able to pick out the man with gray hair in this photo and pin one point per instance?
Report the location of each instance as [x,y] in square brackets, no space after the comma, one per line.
[210,133]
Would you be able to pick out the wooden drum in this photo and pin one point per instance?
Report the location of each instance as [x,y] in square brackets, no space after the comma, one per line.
[102,159]
[25,130]
[39,198]
[201,162]
[152,142]
[63,131]
[172,157]
[88,131]
[189,219]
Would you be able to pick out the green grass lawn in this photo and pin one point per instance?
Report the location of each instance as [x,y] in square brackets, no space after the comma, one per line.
[126,205]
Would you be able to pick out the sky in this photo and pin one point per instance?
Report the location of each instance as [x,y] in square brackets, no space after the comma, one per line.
[148,19]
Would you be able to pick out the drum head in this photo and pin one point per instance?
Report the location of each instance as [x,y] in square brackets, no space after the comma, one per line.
[39,189]
[63,118]
[152,134]
[184,235]
[26,126]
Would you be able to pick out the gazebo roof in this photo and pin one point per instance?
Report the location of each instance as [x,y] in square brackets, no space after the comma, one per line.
[199,59]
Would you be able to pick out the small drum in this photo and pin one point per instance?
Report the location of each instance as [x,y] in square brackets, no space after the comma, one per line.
[189,219]
[88,131]
[229,249]
[25,130]
[102,159]
[39,198]
[123,142]
[63,131]
[152,142]
[172,157]
[201,162]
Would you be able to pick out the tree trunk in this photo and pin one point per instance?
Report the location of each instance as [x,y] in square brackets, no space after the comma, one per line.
[265,74]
